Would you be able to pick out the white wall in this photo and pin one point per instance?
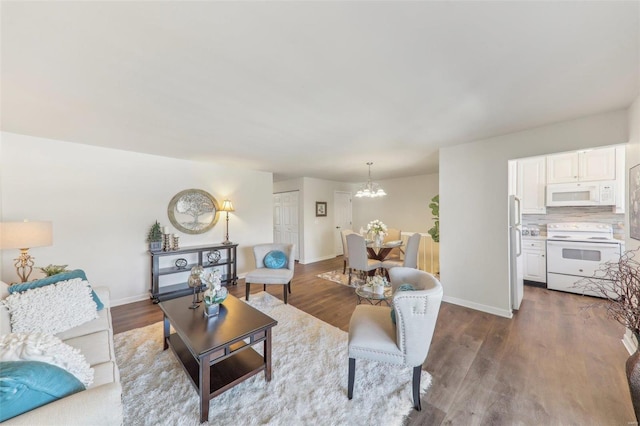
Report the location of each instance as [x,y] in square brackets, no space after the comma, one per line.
[406,206]
[103,201]
[473,204]
[632,158]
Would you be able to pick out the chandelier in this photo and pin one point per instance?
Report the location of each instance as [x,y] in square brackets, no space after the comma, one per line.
[370,189]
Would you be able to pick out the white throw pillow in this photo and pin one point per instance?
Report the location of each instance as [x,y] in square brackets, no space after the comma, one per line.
[52,308]
[46,348]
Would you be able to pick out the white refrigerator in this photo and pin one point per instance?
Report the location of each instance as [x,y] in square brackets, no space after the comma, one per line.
[516,274]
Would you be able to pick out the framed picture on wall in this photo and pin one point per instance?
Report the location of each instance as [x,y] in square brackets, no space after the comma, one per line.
[634,202]
[321,208]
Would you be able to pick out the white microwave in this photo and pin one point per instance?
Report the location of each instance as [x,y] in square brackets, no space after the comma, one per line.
[601,193]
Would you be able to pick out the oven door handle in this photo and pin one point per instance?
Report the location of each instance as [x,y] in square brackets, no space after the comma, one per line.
[582,245]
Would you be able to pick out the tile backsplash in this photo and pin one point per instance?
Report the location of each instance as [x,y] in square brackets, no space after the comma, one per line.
[600,214]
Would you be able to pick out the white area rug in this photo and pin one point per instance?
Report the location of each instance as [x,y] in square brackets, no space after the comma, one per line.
[338,277]
[308,386]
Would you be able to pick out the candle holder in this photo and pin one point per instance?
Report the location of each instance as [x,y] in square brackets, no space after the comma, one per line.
[166,242]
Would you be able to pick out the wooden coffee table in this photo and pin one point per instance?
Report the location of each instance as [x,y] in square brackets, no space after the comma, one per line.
[212,351]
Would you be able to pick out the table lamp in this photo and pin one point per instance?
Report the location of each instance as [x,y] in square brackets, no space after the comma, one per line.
[23,236]
[227,206]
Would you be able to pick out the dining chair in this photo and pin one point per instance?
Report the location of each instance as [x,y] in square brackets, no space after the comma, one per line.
[410,256]
[358,258]
[393,235]
[275,264]
[374,336]
[345,252]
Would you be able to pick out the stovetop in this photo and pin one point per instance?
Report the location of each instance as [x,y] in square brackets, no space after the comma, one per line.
[581,231]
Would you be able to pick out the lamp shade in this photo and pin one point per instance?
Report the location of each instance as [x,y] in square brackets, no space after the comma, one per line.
[227,206]
[25,234]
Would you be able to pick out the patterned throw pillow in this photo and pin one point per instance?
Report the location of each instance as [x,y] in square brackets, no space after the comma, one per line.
[53,308]
[64,276]
[275,259]
[46,348]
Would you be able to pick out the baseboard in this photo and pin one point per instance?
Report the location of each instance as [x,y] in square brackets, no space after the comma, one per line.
[318,259]
[478,307]
[124,301]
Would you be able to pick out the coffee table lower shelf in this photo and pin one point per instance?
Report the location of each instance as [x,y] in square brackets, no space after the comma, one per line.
[223,374]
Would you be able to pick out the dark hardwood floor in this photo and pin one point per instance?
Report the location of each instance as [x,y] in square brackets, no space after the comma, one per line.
[553,363]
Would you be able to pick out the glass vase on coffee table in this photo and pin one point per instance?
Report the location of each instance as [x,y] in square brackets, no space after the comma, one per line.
[195,282]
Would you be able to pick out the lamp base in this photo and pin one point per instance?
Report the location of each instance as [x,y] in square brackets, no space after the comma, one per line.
[24,265]
[227,242]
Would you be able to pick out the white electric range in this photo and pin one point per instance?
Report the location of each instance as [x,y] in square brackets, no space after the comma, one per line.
[576,250]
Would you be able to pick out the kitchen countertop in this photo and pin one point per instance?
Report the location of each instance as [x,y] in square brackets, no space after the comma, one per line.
[538,237]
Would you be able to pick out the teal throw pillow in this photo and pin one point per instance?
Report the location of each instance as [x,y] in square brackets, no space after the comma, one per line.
[78,273]
[275,259]
[402,287]
[25,385]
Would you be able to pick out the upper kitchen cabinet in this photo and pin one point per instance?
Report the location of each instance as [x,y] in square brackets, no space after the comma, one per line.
[582,166]
[531,185]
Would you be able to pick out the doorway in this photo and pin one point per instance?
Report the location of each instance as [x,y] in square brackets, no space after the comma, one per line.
[286,226]
[342,212]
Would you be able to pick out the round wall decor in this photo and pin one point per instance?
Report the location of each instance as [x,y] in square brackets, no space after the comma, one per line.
[193,211]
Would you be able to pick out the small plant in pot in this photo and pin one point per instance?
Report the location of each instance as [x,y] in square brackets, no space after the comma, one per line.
[52,270]
[619,283]
[154,238]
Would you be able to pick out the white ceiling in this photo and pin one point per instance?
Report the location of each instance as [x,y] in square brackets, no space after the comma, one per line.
[311,88]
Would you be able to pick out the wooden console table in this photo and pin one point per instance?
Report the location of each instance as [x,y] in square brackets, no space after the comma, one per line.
[169,281]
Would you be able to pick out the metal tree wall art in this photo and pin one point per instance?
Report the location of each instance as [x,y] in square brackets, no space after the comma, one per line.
[193,211]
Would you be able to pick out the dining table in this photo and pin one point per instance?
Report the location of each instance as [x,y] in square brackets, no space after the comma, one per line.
[380,252]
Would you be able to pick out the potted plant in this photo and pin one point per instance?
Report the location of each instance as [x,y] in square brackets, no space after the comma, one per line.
[619,283]
[154,238]
[51,270]
[435,211]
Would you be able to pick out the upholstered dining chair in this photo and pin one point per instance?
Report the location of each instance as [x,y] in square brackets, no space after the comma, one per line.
[410,255]
[358,258]
[393,235]
[345,252]
[272,267]
[373,335]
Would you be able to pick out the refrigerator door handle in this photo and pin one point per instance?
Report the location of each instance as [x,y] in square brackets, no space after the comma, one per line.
[519,242]
[518,211]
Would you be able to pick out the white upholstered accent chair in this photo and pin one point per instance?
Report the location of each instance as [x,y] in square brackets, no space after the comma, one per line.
[265,276]
[345,252]
[358,258]
[410,255]
[373,336]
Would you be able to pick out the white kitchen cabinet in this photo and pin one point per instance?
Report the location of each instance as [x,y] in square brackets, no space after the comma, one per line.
[531,185]
[582,166]
[534,260]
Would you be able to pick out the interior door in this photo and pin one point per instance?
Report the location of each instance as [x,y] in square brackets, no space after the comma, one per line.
[342,210]
[285,219]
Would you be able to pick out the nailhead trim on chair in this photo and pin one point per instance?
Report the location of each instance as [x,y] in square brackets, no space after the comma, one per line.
[378,352]
[399,320]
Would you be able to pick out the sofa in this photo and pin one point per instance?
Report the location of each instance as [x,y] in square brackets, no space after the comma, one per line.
[100,403]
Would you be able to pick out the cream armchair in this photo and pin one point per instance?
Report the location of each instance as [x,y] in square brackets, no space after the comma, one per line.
[266,276]
[373,336]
